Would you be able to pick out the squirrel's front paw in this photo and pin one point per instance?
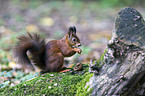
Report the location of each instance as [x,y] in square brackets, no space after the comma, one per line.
[78,50]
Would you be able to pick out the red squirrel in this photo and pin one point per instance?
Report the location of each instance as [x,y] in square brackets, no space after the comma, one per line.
[48,57]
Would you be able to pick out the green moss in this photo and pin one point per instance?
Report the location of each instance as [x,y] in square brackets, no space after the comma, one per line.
[100,62]
[81,90]
[51,84]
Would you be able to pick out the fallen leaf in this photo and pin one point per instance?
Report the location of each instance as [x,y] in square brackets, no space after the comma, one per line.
[47,21]
[32,28]
[12,64]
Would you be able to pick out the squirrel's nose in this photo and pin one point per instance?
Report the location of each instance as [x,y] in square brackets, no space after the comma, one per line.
[79,45]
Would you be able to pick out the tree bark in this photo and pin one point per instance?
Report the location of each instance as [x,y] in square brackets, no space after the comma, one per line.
[123,70]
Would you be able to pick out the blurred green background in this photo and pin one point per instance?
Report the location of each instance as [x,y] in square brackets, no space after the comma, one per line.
[94,20]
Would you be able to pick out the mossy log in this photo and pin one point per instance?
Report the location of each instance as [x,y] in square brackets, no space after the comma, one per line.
[123,70]
[52,84]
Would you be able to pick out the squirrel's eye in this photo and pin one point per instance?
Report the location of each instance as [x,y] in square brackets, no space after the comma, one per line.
[74,40]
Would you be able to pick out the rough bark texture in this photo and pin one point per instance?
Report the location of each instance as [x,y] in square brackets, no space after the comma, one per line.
[123,70]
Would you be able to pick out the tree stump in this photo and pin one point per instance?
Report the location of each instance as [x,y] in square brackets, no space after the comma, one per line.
[123,70]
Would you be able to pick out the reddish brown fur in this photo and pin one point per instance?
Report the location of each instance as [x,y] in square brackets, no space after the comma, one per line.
[49,57]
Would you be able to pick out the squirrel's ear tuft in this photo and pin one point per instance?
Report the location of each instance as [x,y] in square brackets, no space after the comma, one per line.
[72,29]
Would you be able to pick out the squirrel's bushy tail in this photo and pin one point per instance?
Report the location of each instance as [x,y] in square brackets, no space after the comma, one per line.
[33,44]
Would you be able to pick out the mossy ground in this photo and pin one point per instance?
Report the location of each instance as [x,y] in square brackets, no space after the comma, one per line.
[55,84]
